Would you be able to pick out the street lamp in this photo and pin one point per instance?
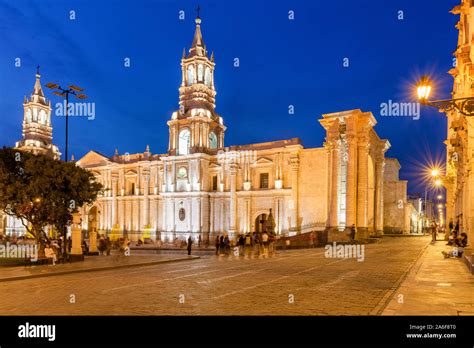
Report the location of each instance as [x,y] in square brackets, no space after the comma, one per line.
[62,92]
[464,105]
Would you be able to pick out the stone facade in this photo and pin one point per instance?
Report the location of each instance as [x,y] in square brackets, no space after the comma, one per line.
[201,187]
[401,214]
[459,181]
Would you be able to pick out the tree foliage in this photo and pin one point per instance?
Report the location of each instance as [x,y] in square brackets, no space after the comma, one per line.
[42,191]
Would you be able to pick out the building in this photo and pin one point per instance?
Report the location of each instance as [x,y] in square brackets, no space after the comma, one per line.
[459,181]
[37,138]
[402,214]
[202,187]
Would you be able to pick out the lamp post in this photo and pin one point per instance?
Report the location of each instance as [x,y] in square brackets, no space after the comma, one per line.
[62,92]
[465,106]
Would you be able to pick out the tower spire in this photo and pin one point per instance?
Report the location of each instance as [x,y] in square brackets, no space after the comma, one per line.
[198,48]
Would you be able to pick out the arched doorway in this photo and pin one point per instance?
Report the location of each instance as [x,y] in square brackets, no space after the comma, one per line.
[260,222]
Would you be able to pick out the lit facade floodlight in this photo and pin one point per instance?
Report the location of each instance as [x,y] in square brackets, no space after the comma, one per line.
[424,88]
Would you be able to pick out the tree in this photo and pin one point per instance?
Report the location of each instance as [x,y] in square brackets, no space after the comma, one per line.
[42,191]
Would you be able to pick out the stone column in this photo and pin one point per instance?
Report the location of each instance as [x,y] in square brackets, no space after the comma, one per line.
[379,171]
[362,188]
[92,235]
[146,200]
[233,200]
[295,166]
[76,248]
[351,191]
[333,186]
[114,201]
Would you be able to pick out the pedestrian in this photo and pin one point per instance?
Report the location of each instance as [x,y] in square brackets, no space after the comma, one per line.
[221,245]
[50,253]
[108,245]
[241,244]
[353,232]
[199,241]
[433,232]
[227,244]
[248,244]
[85,247]
[101,245]
[218,241]
[265,243]
[69,244]
[190,242]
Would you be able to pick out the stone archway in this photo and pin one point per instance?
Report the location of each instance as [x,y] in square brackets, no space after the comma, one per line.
[260,222]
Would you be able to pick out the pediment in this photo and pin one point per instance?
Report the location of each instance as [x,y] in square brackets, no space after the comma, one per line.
[93,159]
[131,172]
[263,161]
[214,166]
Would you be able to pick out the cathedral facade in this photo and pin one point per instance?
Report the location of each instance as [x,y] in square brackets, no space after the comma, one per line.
[201,187]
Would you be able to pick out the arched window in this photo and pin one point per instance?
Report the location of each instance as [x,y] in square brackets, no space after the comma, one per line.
[212,140]
[28,115]
[207,78]
[42,117]
[184,142]
[35,115]
[190,75]
[200,73]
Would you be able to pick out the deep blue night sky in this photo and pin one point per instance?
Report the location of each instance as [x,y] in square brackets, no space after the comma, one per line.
[282,63]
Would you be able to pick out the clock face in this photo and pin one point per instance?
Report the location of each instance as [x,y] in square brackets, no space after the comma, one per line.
[182,172]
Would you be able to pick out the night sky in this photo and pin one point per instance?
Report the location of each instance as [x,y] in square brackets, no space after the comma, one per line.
[282,62]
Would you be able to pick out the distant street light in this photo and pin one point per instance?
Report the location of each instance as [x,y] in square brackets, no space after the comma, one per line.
[435,172]
[61,92]
[464,105]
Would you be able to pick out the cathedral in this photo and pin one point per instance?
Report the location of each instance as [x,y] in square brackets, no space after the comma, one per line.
[203,187]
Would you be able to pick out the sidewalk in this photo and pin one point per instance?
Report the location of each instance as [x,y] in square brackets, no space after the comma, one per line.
[90,264]
[435,286]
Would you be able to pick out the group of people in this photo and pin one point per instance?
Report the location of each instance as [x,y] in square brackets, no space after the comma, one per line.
[248,244]
[104,245]
[457,240]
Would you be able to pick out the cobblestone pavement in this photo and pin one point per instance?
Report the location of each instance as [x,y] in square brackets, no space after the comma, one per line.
[299,282]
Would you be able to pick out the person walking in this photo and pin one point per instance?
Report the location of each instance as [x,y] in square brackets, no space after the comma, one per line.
[265,243]
[108,245]
[433,231]
[218,242]
[353,232]
[190,243]
[221,245]
[227,244]
[241,244]
[248,244]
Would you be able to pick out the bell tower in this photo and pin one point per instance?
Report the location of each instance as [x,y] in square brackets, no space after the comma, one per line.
[196,127]
[37,127]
